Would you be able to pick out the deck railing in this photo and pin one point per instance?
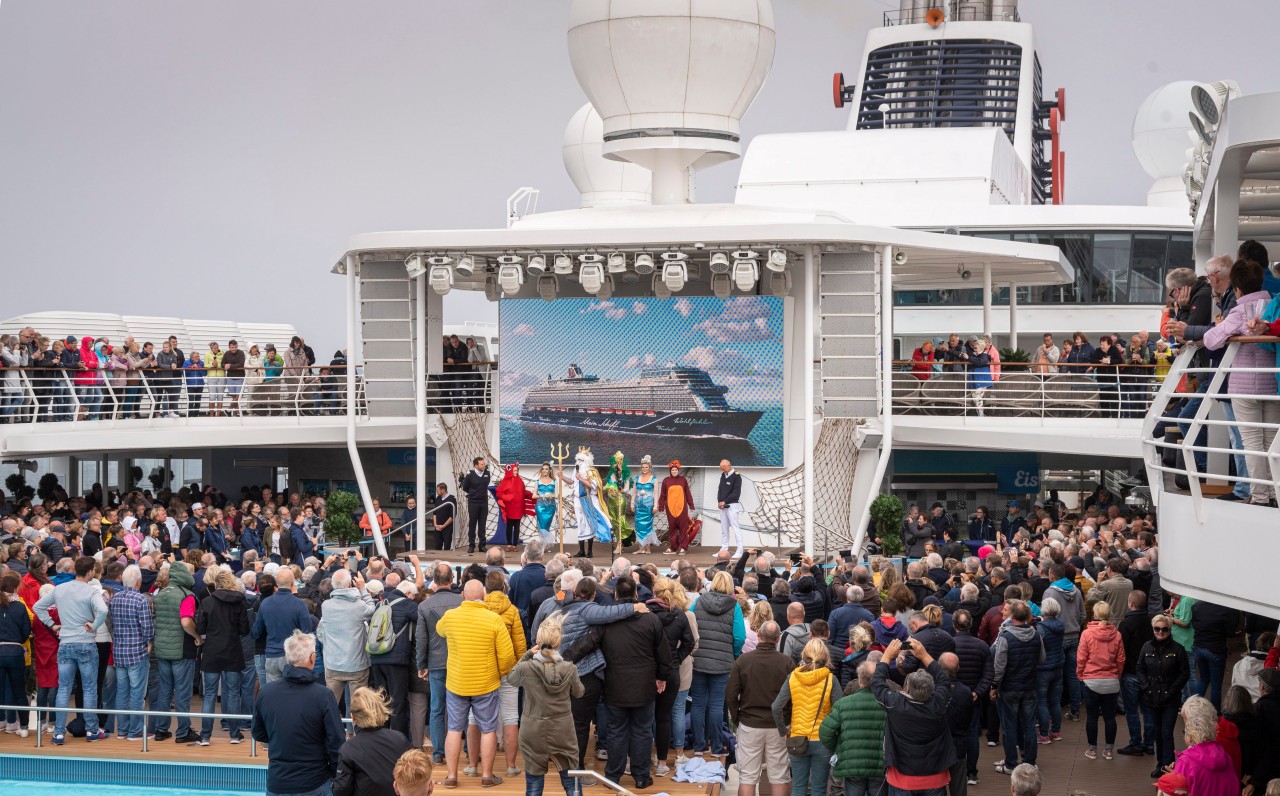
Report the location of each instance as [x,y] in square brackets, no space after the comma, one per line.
[1193,401]
[1025,390]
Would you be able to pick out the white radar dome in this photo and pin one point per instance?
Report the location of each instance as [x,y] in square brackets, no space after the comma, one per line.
[1160,129]
[600,181]
[671,79]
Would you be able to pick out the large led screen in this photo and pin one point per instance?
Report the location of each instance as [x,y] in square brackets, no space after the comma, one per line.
[697,379]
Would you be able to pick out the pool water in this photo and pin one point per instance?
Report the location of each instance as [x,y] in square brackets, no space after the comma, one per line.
[35,788]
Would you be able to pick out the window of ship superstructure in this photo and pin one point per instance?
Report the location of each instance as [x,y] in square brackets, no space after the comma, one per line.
[1111,267]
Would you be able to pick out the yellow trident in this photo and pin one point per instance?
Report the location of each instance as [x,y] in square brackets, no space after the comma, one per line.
[560,452]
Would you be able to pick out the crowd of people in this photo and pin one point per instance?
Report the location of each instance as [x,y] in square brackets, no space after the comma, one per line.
[91,378]
[776,667]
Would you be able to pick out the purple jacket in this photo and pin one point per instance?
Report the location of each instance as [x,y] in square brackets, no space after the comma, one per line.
[1208,770]
[1251,355]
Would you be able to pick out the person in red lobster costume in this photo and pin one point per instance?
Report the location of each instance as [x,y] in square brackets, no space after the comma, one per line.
[515,501]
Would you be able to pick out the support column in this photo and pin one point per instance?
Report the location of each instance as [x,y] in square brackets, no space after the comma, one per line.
[986,299]
[810,309]
[1013,316]
[352,450]
[419,341]
[1226,211]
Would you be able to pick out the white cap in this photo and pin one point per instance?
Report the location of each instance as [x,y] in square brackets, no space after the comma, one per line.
[195,506]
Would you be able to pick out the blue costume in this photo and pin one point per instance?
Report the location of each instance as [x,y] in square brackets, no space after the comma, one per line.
[645,535]
[546,508]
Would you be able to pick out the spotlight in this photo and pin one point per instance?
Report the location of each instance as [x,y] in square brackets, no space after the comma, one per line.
[563,264]
[659,288]
[491,290]
[644,263]
[674,276]
[719,263]
[441,279]
[415,265]
[466,266]
[777,260]
[592,277]
[606,288]
[721,285]
[777,284]
[537,265]
[548,286]
[510,278]
[745,273]
[617,262]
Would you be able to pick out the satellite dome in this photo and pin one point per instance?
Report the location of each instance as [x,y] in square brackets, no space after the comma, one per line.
[1161,127]
[671,79]
[600,181]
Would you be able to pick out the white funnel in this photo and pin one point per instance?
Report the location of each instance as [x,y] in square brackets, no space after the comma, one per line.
[600,181]
[671,79]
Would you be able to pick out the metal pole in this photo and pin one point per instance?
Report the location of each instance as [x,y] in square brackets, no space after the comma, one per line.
[886,391]
[1013,316]
[419,341]
[810,296]
[986,298]
[352,450]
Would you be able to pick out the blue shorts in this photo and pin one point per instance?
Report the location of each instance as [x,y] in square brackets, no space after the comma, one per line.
[484,709]
[234,384]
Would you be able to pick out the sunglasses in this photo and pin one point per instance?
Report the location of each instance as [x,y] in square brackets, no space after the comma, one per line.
[1159,629]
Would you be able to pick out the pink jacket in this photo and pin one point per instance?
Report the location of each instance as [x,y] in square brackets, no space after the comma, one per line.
[89,358]
[1209,770]
[1251,355]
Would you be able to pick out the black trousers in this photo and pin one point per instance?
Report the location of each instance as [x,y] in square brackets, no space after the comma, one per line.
[477,513]
[395,678]
[584,710]
[662,709]
[630,733]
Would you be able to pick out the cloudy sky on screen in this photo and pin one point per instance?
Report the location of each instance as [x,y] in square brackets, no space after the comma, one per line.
[737,340]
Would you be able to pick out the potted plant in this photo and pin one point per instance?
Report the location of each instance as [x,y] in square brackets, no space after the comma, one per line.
[886,515]
[340,525]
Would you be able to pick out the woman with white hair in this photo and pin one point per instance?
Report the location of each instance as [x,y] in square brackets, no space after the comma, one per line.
[1205,764]
[1162,670]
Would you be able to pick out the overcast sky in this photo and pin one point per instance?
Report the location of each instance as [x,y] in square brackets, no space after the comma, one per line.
[209,159]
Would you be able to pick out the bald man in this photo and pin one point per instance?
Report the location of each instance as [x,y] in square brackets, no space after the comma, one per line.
[728,498]
[959,715]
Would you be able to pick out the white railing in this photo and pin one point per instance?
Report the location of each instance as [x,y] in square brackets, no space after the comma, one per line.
[50,397]
[1020,391]
[1262,463]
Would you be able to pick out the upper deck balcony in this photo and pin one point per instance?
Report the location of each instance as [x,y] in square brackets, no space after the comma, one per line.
[1199,453]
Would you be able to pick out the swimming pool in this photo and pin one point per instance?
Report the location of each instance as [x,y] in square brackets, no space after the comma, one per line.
[34,788]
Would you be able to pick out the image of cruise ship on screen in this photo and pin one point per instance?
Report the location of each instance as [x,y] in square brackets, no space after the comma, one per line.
[670,400]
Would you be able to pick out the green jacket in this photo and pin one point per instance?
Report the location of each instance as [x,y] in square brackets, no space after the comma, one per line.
[172,642]
[854,732]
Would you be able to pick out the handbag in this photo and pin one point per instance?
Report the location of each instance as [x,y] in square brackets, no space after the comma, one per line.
[798,745]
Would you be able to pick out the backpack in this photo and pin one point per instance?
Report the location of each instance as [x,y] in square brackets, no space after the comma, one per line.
[381,637]
[793,643]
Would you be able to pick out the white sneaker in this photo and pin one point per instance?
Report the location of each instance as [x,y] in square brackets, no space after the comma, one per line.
[738,553]
[661,770]
[22,733]
[681,760]
[172,414]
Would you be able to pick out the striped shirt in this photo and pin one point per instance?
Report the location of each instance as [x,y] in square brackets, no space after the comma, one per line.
[133,626]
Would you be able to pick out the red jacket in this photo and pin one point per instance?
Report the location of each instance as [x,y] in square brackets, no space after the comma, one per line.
[1101,652]
[89,376]
[923,367]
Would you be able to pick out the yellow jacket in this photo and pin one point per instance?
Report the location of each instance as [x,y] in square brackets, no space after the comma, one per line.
[501,605]
[480,650]
[807,712]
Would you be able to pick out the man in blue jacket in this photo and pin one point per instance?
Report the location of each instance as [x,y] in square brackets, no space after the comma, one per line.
[298,718]
[278,617]
[531,577]
[303,545]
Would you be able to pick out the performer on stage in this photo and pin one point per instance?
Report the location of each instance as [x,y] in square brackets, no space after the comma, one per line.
[728,498]
[547,502]
[593,523]
[511,493]
[475,485]
[617,491]
[642,500]
[676,499]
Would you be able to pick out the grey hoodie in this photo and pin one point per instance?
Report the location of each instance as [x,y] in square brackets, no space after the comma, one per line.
[343,630]
[1072,604]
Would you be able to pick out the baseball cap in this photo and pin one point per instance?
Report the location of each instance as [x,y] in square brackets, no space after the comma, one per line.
[71,338]
[1013,504]
[195,506]
[1173,783]
[1039,504]
[938,505]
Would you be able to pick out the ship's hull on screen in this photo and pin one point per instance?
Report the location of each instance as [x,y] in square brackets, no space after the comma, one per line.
[737,425]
